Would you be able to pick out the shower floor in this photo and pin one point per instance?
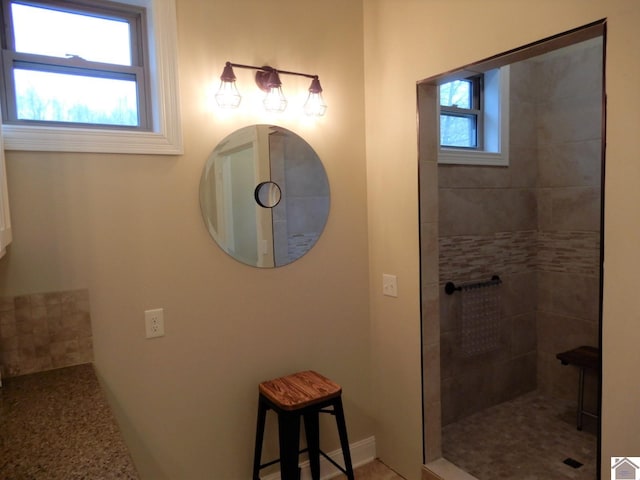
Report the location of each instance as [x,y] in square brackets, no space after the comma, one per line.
[527,438]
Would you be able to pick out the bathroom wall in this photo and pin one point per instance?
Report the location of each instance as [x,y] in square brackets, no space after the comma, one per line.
[128,229]
[568,88]
[549,245]
[487,226]
[407,41]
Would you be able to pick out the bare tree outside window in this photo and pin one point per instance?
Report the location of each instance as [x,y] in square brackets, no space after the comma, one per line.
[458,120]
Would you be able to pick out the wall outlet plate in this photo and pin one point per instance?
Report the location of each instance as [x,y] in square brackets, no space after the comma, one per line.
[389,285]
[154,323]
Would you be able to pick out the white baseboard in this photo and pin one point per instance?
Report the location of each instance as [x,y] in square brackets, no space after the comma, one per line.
[362,452]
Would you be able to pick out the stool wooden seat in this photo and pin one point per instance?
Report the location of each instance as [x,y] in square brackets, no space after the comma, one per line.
[584,358]
[303,394]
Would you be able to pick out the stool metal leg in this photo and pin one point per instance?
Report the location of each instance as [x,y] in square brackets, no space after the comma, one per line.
[580,398]
[344,440]
[257,457]
[289,433]
[312,431]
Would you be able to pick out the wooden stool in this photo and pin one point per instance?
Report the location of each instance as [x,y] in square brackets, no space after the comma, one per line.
[582,357]
[302,394]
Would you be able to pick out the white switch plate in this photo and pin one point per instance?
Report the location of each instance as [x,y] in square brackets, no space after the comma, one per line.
[389,285]
[154,322]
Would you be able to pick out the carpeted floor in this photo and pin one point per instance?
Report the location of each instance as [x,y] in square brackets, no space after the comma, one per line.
[524,439]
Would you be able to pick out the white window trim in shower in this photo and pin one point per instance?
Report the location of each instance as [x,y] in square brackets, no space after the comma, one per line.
[496,126]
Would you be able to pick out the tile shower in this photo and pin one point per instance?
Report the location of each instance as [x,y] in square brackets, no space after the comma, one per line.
[536,223]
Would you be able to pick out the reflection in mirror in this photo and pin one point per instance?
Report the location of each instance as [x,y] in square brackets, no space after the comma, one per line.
[268,194]
[264,196]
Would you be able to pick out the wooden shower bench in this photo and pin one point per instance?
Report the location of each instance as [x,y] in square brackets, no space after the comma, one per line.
[583,357]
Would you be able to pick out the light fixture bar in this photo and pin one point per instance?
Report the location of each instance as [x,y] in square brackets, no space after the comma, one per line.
[267,68]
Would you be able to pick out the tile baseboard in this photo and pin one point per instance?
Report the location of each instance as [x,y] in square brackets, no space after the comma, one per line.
[442,469]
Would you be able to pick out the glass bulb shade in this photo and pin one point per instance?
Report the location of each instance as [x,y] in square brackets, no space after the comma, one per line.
[228,95]
[315,106]
[275,101]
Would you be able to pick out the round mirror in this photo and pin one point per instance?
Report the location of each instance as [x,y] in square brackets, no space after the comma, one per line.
[264,196]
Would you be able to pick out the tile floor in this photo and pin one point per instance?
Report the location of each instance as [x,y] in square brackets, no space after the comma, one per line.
[527,438]
[375,470]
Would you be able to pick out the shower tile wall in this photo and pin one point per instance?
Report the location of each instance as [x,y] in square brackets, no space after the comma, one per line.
[569,86]
[534,223]
[487,225]
[299,220]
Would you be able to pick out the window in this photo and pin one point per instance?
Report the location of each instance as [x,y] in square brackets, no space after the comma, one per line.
[90,75]
[68,63]
[474,119]
[461,114]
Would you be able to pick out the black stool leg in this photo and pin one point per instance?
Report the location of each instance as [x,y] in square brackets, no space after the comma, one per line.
[257,457]
[344,440]
[289,433]
[580,398]
[312,430]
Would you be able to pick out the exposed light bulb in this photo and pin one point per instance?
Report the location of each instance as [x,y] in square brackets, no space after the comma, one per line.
[315,106]
[275,100]
[228,95]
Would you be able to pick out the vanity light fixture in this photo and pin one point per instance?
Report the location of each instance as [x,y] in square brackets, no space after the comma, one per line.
[228,95]
[268,80]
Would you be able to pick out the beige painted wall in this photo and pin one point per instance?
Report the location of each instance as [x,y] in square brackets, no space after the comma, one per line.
[409,40]
[128,228]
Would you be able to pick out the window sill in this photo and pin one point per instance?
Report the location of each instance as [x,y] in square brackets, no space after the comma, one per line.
[459,157]
[59,139]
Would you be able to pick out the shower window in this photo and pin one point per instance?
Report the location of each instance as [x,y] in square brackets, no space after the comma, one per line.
[474,119]
[461,113]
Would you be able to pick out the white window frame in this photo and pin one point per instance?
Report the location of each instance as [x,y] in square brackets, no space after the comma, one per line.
[165,137]
[495,151]
[5,217]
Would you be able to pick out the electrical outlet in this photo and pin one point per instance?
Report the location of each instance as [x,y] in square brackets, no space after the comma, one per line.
[154,322]
[389,285]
